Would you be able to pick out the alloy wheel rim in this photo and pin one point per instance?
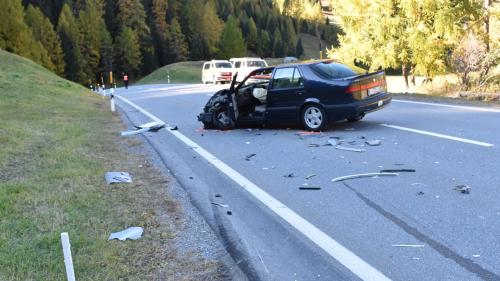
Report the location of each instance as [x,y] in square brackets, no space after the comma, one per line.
[313,117]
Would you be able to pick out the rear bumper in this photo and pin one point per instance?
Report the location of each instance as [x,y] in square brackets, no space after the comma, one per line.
[343,111]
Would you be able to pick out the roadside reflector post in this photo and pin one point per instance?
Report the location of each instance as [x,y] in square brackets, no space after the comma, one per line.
[112,100]
[68,260]
[168,77]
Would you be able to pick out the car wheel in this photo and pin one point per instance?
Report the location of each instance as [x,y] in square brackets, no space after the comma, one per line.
[222,119]
[314,117]
[356,118]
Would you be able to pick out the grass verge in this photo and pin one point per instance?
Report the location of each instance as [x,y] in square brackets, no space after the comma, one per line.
[180,72]
[57,140]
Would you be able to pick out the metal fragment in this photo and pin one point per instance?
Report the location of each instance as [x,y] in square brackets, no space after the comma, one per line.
[373,142]
[367,175]
[118,177]
[309,188]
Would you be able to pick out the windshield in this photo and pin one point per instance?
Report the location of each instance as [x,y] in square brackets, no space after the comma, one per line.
[256,63]
[333,70]
[223,65]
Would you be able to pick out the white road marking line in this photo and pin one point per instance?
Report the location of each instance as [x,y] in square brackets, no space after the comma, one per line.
[349,259]
[449,105]
[438,135]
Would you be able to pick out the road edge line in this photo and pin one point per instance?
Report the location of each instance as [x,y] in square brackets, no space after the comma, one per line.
[350,260]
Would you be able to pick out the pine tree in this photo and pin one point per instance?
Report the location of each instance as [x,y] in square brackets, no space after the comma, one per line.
[277,44]
[252,36]
[177,42]
[231,42]
[90,24]
[71,40]
[264,47]
[128,52]
[299,50]
[43,32]
[16,36]
[131,14]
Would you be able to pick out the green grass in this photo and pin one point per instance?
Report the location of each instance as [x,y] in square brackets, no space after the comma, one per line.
[57,140]
[180,72]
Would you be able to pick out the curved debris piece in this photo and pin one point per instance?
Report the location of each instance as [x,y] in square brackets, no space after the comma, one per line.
[349,148]
[367,175]
[134,233]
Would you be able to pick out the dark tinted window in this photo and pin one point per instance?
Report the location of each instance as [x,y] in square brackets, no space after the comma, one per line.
[256,63]
[287,78]
[223,65]
[207,66]
[333,70]
[237,64]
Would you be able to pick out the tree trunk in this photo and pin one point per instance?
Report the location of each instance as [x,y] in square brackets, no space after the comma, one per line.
[405,75]
[487,4]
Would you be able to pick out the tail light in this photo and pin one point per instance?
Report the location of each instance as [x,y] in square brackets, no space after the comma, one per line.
[358,87]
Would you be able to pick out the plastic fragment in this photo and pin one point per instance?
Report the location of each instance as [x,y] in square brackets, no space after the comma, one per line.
[175,128]
[309,188]
[118,177]
[367,175]
[313,145]
[349,148]
[247,158]
[464,189]
[373,142]
[133,233]
[291,175]
[310,176]
[220,205]
[398,171]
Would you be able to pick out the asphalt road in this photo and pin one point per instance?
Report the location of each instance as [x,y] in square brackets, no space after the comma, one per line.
[413,226]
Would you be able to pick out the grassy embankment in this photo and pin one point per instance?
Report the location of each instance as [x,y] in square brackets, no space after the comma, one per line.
[56,142]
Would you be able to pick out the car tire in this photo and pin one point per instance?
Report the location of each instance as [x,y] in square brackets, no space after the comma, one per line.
[356,118]
[314,118]
[222,119]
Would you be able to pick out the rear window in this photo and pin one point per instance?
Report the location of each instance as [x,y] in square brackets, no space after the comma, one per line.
[223,65]
[256,63]
[333,70]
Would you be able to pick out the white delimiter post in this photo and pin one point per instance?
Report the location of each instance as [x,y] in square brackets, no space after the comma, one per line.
[112,100]
[68,260]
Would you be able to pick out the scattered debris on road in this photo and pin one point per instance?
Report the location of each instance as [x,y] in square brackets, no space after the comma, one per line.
[420,193]
[313,145]
[229,212]
[398,171]
[464,189]
[309,188]
[175,128]
[349,129]
[349,148]
[133,233]
[304,134]
[217,195]
[367,175]
[334,141]
[118,177]
[148,127]
[247,158]
[310,176]
[291,175]
[373,142]
[409,245]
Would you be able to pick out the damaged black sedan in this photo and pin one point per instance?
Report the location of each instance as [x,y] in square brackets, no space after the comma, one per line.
[313,94]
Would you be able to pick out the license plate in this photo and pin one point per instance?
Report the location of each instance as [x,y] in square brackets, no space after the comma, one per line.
[374,91]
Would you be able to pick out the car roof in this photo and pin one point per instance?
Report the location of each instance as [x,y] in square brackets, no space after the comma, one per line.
[218,61]
[246,58]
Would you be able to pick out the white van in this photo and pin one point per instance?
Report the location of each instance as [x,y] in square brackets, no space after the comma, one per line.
[243,66]
[217,71]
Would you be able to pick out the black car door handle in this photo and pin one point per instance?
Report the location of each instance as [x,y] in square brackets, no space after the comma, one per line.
[299,92]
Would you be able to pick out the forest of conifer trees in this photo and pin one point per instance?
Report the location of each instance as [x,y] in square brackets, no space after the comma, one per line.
[81,39]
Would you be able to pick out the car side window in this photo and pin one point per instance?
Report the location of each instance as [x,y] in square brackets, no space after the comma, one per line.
[207,66]
[287,78]
[237,64]
[297,80]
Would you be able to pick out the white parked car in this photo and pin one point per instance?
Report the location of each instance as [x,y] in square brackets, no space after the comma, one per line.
[243,66]
[217,71]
